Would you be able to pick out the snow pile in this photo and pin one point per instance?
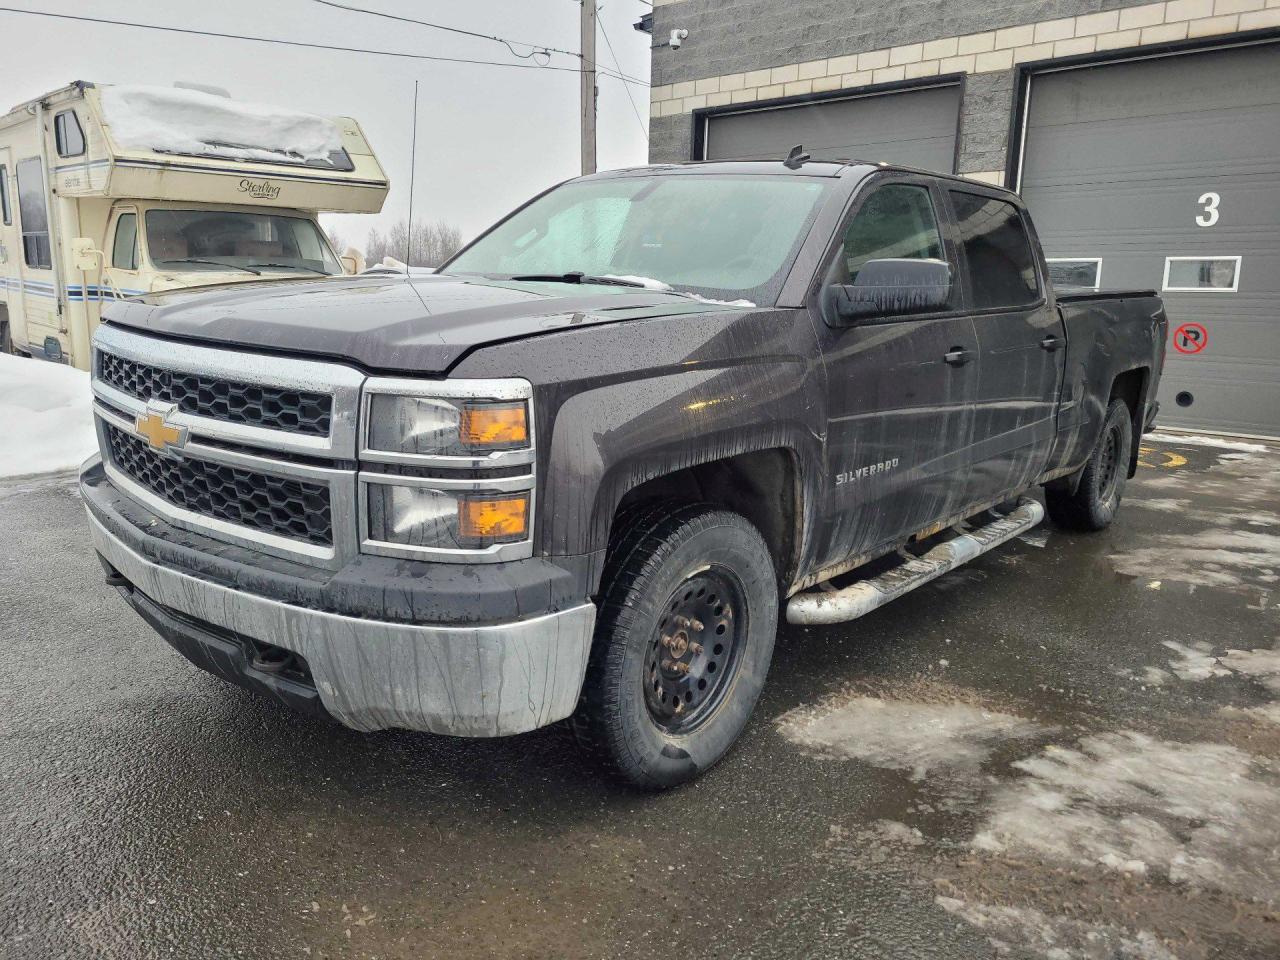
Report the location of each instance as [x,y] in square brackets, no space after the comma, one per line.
[45,412]
[175,120]
[1195,440]
[1028,931]
[906,735]
[1199,814]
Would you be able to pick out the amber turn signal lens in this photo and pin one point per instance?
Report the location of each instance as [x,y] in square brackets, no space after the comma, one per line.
[492,521]
[497,425]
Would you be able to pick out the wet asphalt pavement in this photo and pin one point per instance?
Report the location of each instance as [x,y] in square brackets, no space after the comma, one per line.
[1048,753]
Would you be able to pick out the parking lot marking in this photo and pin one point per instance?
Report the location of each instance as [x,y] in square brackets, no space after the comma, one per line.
[1172,461]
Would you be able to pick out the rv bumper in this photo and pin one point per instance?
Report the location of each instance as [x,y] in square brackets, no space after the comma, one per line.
[476,680]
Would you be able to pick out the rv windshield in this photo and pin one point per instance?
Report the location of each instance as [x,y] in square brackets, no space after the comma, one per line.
[719,236]
[262,243]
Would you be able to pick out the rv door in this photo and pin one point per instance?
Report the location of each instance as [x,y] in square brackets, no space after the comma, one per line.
[40,326]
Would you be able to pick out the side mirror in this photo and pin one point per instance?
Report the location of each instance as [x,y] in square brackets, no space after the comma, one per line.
[84,256]
[352,261]
[890,288]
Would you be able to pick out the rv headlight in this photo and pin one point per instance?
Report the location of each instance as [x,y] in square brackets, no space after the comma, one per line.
[423,516]
[447,423]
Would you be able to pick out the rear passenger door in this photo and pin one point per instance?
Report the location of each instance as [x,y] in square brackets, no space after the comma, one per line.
[1021,343]
[899,389]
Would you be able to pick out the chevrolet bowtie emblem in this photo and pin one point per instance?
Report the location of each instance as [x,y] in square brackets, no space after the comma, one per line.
[153,426]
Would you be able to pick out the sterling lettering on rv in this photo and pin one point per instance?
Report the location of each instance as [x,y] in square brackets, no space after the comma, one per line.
[870,470]
[260,189]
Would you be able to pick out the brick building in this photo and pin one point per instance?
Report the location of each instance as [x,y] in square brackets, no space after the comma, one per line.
[1145,138]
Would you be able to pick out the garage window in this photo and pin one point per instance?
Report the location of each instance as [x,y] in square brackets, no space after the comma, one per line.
[1079,272]
[1201,274]
[998,258]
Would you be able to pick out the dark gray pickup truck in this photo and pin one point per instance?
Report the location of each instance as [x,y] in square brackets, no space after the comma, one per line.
[577,473]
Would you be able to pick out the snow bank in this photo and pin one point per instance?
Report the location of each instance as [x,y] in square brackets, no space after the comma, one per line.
[176,120]
[1195,440]
[45,412]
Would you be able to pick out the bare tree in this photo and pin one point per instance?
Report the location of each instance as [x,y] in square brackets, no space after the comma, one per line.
[335,240]
[433,244]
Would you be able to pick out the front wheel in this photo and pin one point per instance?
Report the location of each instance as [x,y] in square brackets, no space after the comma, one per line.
[688,615]
[1094,504]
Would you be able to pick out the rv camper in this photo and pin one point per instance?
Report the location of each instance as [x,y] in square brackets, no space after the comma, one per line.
[112,191]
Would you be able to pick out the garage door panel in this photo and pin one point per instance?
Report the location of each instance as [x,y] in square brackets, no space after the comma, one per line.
[1177,156]
[916,128]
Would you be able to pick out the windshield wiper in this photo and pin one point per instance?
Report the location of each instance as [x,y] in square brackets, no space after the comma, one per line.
[291,266]
[577,277]
[216,263]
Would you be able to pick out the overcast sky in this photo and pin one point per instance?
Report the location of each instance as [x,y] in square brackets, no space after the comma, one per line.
[488,136]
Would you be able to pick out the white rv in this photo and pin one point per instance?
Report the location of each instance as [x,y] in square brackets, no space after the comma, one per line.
[112,191]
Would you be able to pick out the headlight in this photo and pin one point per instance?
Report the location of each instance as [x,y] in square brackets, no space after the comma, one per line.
[410,421]
[458,482]
[436,519]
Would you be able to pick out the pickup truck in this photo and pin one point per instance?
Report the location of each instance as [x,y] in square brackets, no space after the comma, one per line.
[578,472]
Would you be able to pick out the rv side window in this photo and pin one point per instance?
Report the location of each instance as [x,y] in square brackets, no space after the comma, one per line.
[4,196]
[124,248]
[34,214]
[68,135]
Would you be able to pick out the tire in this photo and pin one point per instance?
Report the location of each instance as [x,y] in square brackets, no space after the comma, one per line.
[688,613]
[1094,504]
[6,340]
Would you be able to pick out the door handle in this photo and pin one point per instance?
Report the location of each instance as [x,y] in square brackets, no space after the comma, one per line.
[957,356]
[1052,343]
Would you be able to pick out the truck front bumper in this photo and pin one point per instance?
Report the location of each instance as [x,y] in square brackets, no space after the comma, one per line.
[479,680]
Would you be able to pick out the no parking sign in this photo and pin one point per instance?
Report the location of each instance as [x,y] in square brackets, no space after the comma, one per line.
[1190,338]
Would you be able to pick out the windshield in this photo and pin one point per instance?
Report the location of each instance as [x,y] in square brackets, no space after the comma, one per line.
[226,240]
[722,237]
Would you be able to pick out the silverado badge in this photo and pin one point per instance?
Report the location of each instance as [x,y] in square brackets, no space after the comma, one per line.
[154,427]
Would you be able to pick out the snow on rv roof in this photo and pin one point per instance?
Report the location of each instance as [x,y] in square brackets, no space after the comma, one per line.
[185,121]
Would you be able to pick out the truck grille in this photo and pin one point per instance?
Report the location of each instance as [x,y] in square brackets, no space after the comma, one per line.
[295,411]
[287,508]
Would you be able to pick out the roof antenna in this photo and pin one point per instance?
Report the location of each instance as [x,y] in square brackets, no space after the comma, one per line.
[796,158]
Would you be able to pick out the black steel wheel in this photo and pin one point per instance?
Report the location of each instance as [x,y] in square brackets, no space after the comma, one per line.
[1094,503]
[688,611]
[696,649]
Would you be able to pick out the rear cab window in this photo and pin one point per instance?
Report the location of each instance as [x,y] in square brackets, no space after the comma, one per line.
[998,260]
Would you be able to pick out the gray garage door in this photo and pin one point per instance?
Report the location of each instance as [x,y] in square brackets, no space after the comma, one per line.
[916,127]
[1165,173]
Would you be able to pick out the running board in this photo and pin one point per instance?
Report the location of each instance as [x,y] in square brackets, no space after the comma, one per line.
[837,606]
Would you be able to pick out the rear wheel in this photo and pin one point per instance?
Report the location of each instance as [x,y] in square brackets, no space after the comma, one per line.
[1094,504]
[688,614]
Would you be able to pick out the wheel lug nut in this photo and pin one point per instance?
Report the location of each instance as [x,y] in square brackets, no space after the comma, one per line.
[695,625]
[695,647]
[666,642]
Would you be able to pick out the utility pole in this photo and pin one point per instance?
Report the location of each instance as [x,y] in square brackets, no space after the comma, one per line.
[588,77]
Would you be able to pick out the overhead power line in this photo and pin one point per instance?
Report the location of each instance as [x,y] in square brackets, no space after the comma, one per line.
[535,48]
[440,26]
[305,44]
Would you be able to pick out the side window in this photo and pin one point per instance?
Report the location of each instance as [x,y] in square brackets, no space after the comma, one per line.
[68,135]
[896,222]
[34,214]
[998,255]
[4,196]
[124,248]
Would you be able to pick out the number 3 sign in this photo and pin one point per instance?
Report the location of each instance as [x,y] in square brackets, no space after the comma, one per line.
[1210,203]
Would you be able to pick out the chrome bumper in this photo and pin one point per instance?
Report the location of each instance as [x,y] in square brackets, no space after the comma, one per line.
[474,681]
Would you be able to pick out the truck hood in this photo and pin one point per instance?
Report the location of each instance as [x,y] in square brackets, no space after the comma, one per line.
[403,324]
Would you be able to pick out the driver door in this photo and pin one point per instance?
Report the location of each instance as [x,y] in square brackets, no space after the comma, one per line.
[900,388]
